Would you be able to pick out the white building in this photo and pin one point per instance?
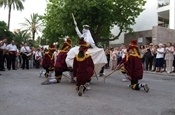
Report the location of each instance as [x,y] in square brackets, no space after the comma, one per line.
[156,13]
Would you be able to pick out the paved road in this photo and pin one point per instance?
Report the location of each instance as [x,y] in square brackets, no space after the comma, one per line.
[22,94]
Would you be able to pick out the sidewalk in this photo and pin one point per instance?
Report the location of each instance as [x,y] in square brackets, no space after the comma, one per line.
[160,73]
[150,72]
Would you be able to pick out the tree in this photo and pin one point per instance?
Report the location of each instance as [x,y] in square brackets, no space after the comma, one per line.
[16,4]
[33,25]
[4,32]
[101,15]
[21,36]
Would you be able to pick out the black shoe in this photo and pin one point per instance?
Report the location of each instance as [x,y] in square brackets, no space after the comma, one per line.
[14,69]
[2,69]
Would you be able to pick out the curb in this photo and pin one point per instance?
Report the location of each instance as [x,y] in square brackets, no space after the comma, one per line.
[158,73]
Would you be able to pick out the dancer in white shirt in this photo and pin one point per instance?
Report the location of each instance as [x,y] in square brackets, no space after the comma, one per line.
[86,34]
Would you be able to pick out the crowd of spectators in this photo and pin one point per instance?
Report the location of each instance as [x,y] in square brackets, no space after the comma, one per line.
[24,57]
[158,58]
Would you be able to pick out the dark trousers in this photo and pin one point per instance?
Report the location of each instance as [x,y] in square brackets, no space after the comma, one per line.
[102,70]
[119,59]
[11,61]
[25,63]
[149,63]
[1,60]
[37,63]
[135,84]
[108,61]
[5,56]
[60,72]
[47,70]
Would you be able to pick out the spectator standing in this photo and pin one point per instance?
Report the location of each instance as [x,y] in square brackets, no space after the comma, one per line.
[154,52]
[38,58]
[148,59]
[160,58]
[107,52]
[12,50]
[174,59]
[2,54]
[169,57]
[26,53]
[113,59]
[119,55]
[142,53]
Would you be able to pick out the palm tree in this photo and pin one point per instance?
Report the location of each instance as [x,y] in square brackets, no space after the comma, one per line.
[16,4]
[32,25]
[21,36]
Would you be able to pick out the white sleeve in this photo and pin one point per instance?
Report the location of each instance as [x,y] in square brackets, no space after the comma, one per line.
[78,32]
[29,50]
[162,50]
[21,50]
[16,48]
[7,47]
[172,49]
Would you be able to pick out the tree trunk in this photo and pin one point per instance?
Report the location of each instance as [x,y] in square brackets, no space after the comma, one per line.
[9,16]
[33,35]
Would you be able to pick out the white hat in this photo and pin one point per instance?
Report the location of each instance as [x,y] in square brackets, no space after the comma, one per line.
[86,26]
[160,44]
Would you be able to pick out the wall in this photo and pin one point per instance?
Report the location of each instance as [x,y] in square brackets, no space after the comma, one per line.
[163,35]
[137,35]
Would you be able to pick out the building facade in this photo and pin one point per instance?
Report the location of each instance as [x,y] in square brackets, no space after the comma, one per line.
[155,24]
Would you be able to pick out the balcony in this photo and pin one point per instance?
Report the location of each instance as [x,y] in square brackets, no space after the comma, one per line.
[162,3]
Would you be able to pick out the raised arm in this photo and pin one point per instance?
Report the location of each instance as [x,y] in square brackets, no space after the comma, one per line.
[78,32]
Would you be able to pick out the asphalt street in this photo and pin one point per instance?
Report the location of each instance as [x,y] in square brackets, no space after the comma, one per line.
[21,93]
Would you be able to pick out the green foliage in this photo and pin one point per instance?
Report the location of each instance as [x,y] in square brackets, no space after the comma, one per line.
[33,43]
[101,15]
[21,36]
[4,32]
[16,4]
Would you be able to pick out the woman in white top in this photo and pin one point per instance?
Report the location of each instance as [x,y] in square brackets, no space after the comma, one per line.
[38,58]
[160,57]
[113,59]
[169,57]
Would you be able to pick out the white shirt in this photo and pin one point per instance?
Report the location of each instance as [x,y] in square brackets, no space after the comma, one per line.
[160,53]
[3,46]
[124,52]
[11,47]
[25,49]
[38,55]
[86,35]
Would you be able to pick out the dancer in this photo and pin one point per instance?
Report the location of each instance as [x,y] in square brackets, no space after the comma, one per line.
[83,67]
[61,65]
[48,64]
[86,34]
[134,67]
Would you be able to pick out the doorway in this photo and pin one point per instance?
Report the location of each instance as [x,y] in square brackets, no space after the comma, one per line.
[148,40]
